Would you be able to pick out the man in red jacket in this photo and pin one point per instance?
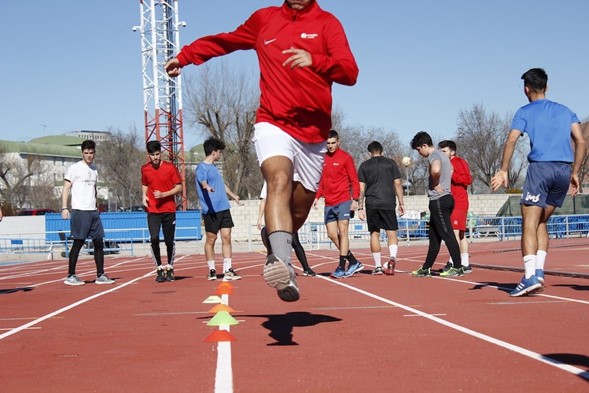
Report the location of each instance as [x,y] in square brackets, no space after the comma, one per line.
[341,189]
[461,179]
[302,50]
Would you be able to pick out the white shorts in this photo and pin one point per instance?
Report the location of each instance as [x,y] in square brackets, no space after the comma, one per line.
[307,158]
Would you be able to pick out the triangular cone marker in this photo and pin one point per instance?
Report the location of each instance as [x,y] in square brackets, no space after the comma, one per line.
[222,318]
[225,284]
[220,307]
[218,336]
[224,291]
[213,299]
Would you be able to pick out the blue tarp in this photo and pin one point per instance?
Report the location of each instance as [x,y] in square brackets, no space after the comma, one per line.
[131,226]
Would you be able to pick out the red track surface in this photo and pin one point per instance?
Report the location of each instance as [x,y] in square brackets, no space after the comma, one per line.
[361,334]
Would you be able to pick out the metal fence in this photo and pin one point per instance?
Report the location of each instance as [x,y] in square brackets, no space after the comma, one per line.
[501,228]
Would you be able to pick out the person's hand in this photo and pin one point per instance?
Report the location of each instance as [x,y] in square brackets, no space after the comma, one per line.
[238,201]
[574,189]
[65,214]
[401,209]
[439,189]
[300,58]
[173,67]
[362,214]
[500,179]
[157,194]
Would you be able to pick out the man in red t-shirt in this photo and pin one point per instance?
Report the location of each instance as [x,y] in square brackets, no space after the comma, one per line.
[160,182]
[340,187]
[461,179]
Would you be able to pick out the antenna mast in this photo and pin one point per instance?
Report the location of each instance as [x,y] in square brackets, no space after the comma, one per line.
[162,95]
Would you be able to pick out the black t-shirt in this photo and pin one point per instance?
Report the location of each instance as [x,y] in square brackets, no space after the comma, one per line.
[379,174]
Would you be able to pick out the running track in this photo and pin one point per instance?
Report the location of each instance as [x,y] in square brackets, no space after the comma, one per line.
[361,334]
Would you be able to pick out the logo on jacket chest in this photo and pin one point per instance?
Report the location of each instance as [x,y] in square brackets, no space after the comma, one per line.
[309,36]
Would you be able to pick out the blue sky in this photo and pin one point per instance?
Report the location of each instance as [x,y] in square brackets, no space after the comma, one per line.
[71,65]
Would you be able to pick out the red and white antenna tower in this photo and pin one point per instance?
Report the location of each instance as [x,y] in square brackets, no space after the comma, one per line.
[162,95]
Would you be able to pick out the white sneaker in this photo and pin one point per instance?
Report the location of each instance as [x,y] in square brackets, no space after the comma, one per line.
[231,275]
[103,279]
[73,280]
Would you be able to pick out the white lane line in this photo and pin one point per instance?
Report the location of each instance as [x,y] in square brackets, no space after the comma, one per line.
[522,351]
[69,307]
[224,372]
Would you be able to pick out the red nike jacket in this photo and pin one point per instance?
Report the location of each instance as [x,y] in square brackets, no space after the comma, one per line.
[296,100]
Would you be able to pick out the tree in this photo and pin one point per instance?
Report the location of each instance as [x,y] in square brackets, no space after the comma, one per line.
[224,104]
[120,159]
[480,138]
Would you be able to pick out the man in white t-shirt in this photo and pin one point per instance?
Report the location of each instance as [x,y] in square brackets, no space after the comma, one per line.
[85,222]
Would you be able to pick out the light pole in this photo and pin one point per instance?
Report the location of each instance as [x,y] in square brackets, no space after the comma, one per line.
[406,163]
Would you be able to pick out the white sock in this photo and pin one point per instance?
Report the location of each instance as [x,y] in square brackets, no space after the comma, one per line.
[530,265]
[211,264]
[226,264]
[464,258]
[540,259]
[377,261]
[393,249]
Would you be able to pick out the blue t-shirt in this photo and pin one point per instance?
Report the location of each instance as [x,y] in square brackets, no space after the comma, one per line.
[548,124]
[211,202]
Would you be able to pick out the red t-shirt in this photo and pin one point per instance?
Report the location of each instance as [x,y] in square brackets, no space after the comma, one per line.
[163,179]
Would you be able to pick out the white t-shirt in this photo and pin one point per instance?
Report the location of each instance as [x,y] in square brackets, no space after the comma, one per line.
[83,178]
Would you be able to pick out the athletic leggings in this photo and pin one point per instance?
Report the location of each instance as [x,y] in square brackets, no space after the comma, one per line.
[440,228]
[98,256]
[167,222]
[299,251]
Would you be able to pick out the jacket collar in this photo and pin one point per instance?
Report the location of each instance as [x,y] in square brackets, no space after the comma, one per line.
[308,12]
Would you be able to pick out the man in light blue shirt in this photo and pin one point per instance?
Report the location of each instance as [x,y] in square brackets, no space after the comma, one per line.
[550,127]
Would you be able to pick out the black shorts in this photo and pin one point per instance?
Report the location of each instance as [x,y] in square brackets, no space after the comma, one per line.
[214,222]
[378,219]
[86,224]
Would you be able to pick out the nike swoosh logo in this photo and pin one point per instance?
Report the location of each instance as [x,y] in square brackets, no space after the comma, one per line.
[266,42]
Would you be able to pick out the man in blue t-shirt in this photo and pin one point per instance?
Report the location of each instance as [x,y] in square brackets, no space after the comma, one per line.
[550,127]
[214,204]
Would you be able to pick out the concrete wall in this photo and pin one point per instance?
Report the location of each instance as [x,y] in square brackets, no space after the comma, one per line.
[246,216]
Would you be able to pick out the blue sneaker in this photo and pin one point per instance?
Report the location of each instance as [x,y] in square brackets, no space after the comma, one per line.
[540,275]
[527,285]
[339,273]
[354,268]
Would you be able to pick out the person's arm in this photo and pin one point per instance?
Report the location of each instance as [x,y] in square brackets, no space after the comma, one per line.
[1,213]
[461,175]
[233,195]
[65,194]
[399,192]
[435,170]
[144,197]
[362,202]
[163,194]
[580,148]
[337,63]
[501,178]
[205,48]
[261,213]
[354,182]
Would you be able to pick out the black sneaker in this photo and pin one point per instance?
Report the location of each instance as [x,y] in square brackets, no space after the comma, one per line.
[467,269]
[212,275]
[160,275]
[170,274]
[309,273]
[448,266]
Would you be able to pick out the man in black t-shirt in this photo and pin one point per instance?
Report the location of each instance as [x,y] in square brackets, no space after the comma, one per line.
[380,180]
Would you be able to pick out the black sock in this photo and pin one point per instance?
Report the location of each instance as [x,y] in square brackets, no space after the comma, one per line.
[352,258]
[342,262]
